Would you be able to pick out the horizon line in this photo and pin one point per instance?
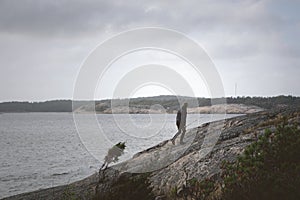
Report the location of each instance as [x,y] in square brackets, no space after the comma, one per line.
[105,99]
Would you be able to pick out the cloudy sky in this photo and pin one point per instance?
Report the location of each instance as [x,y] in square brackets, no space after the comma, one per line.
[252,43]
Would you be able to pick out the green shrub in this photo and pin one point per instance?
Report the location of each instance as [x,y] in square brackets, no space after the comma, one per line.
[135,187]
[200,189]
[268,168]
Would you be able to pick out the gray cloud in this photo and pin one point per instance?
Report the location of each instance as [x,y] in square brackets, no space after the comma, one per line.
[65,18]
[42,43]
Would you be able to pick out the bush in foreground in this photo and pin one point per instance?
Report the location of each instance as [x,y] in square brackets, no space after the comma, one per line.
[268,169]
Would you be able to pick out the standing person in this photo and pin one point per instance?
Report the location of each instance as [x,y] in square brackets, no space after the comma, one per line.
[181,123]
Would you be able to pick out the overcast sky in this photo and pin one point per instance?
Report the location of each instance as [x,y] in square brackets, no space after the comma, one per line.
[252,43]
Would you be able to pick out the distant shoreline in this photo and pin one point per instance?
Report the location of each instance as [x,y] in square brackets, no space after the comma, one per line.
[141,104]
[215,109]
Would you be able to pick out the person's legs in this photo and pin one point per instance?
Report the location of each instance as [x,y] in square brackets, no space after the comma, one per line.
[176,135]
[182,136]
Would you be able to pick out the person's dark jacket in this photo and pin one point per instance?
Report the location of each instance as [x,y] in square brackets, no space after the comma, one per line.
[178,119]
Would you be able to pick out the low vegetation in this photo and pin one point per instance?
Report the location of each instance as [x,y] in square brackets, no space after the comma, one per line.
[128,187]
[268,169]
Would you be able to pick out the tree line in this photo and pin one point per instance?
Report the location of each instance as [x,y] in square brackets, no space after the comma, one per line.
[168,102]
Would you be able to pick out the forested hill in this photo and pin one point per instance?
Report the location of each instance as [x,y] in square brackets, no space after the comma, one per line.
[266,102]
[168,102]
[47,106]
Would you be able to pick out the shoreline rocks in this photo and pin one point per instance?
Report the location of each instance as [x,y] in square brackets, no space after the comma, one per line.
[214,109]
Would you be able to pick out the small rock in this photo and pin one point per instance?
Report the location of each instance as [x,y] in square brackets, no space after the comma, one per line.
[160,198]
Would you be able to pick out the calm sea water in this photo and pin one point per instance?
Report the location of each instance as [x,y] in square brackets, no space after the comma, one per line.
[41,150]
